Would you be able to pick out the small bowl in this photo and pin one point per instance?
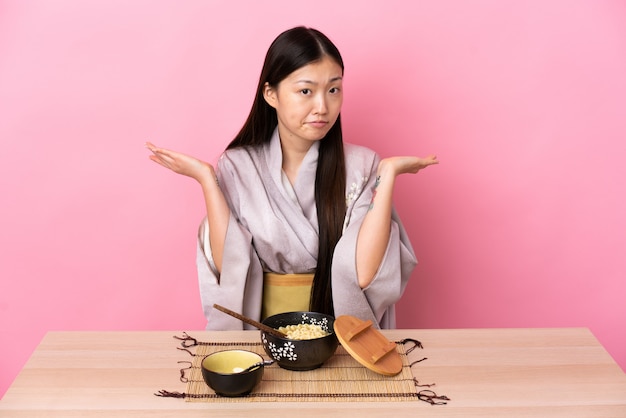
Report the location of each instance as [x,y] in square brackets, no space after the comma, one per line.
[300,354]
[222,371]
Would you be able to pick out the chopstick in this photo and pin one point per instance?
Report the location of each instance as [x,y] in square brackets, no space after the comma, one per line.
[250,321]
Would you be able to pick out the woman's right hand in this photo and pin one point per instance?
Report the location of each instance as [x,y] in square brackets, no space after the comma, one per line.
[217,210]
[182,163]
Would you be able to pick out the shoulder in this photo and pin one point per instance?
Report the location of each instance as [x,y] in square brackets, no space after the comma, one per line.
[359,156]
[239,155]
[241,163]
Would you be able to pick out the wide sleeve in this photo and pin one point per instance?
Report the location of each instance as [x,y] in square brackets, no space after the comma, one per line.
[239,287]
[376,302]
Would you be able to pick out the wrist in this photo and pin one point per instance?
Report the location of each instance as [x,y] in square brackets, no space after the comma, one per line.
[208,178]
[386,169]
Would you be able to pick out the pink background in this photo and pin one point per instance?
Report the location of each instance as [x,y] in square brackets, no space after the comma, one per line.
[521,225]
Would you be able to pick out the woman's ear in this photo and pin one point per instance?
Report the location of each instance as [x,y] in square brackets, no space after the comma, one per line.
[269,94]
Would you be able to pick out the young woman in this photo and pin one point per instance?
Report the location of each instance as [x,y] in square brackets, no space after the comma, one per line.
[296,218]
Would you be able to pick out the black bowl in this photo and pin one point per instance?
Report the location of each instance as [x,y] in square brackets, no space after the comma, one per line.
[222,372]
[300,354]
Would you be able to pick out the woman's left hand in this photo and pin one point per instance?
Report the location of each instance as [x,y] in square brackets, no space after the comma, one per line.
[402,165]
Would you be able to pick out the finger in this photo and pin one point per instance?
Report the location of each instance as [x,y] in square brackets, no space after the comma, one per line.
[163,155]
[153,148]
[167,161]
[167,154]
[159,161]
[158,151]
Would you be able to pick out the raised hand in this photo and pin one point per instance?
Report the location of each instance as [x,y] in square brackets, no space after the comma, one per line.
[181,163]
[409,164]
[217,210]
[375,229]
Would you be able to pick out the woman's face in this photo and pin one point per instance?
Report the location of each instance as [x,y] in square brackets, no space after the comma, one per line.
[307,102]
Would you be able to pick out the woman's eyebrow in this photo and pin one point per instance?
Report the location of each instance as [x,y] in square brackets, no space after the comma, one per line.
[332,80]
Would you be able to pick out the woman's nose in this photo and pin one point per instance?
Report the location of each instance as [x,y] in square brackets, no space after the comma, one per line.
[321,106]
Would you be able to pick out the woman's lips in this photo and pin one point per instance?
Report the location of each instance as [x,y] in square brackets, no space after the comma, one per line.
[318,123]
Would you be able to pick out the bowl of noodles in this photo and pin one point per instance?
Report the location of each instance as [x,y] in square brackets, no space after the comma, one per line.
[310,340]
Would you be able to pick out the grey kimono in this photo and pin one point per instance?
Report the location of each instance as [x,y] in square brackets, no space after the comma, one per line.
[273,227]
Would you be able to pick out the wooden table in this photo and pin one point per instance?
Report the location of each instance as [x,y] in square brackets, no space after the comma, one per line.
[485,372]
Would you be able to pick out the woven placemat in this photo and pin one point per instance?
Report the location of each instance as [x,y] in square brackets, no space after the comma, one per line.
[341,378]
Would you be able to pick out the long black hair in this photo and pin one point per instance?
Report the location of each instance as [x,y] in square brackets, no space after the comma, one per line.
[290,51]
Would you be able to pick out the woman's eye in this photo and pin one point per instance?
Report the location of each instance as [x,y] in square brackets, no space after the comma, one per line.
[334,90]
[305,91]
